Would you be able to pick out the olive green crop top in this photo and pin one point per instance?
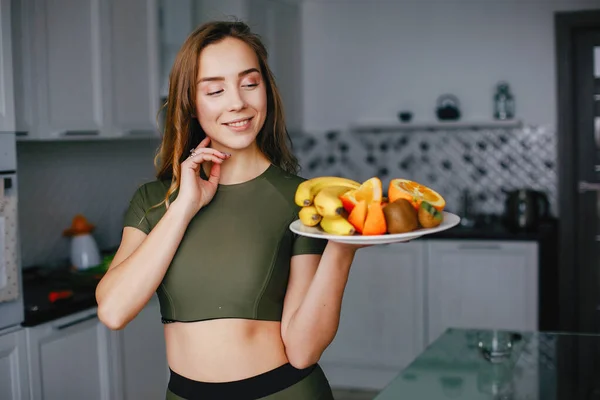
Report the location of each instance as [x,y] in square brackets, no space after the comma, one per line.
[234,258]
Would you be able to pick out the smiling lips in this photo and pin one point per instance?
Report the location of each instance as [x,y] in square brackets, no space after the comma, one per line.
[239,124]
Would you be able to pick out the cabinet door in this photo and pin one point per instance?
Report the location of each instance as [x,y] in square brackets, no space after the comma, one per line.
[135,46]
[70,65]
[14,381]
[7,112]
[482,284]
[176,24]
[68,359]
[381,324]
[143,362]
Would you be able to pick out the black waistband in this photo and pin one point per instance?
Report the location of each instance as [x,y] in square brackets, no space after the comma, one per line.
[250,388]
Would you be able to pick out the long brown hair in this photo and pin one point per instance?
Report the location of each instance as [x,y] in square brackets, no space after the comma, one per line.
[182,130]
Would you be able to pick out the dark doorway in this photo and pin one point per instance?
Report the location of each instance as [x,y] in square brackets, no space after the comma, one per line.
[578,128]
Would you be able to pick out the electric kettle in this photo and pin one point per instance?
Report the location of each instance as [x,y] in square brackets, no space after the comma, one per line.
[526,209]
[84,250]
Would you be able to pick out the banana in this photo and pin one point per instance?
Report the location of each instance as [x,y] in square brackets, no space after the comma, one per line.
[337,226]
[307,190]
[309,216]
[328,202]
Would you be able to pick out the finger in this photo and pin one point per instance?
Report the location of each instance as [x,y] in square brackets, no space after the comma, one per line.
[198,159]
[215,174]
[210,150]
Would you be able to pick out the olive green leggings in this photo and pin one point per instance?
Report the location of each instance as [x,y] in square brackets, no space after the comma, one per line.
[314,386]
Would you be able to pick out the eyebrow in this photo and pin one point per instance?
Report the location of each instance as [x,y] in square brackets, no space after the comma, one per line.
[220,78]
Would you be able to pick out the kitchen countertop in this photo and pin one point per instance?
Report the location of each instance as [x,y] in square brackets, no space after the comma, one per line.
[40,281]
[491,227]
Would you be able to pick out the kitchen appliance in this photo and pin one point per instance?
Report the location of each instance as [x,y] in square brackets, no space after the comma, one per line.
[526,209]
[84,250]
[448,108]
[11,287]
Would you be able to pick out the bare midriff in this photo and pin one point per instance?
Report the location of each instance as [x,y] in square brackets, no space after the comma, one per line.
[224,350]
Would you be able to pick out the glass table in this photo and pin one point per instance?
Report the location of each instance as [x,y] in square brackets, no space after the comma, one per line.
[484,364]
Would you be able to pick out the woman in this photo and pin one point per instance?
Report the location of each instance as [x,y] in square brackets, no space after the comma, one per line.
[248,306]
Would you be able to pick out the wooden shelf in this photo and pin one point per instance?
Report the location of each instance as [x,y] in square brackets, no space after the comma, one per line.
[433,126]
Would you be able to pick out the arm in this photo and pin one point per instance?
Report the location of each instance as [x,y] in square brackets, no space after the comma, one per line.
[312,305]
[142,260]
[138,268]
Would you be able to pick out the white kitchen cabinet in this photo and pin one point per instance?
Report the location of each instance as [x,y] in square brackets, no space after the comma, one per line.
[86,68]
[7,111]
[69,358]
[14,381]
[381,324]
[135,66]
[481,284]
[177,22]
[141,370]
[64,54]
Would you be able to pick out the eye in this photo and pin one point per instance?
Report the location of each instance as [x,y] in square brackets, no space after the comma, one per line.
[214,93]
[250,85]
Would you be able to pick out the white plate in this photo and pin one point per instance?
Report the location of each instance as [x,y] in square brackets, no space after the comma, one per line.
[450,220]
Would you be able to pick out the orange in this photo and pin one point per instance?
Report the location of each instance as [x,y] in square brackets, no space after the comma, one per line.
[358,216]
[370,191]
[375,223]
[415,193]
[349,201]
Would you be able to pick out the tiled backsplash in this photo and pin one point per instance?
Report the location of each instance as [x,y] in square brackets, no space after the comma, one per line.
[58,180]
[486,162]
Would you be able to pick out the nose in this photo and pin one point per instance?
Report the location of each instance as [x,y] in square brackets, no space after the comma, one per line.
[236,101]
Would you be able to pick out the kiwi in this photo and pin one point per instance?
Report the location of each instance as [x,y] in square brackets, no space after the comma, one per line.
[429,216]
[400,216]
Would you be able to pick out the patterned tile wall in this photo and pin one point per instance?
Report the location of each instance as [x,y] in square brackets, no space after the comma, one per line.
[486,162]
[60,179]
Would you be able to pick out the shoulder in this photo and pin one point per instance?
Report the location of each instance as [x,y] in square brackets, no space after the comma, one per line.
[285,182]
[152,192]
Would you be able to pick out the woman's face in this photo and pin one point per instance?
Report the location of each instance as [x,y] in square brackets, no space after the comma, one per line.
[231,100]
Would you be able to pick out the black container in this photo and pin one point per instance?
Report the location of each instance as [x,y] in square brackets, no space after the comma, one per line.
[526,209]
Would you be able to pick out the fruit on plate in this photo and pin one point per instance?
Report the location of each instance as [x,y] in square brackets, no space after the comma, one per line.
[358,216]
[375,223]
[349,201]
[370,191]
[307,190]
[341,206]
[429,216]
[309,216]
[337,225]
[328,202]
[414,192]
[400,216]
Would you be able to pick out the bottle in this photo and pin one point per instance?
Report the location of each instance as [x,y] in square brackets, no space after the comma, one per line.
[504,102]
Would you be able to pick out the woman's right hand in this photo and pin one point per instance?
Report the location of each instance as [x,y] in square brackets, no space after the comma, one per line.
[194,191]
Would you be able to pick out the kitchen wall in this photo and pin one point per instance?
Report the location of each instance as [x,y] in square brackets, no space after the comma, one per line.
[365,60]
[58,180]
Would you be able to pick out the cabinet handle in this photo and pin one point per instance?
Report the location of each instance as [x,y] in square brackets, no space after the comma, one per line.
[479,247]
[74,322]
[81,133]
[588,187]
